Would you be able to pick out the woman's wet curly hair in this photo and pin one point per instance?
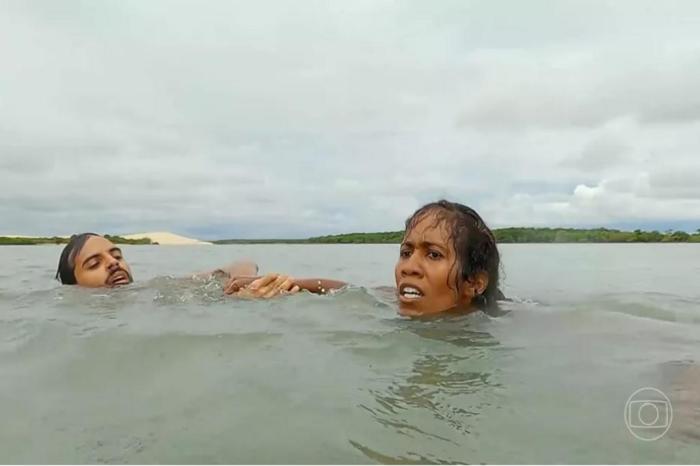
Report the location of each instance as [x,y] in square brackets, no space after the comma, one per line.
[473,242]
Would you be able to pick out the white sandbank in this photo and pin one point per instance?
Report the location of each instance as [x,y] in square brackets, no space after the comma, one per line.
[166,238]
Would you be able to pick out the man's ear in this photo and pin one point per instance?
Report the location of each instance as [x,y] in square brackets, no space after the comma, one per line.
[476,285]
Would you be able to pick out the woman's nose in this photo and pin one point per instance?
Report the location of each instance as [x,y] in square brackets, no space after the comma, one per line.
[411,266]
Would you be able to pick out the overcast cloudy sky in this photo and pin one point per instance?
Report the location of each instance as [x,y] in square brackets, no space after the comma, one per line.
[223,119]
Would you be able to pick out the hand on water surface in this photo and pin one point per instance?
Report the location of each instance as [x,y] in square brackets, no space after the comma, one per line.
[235,284]
[269,286]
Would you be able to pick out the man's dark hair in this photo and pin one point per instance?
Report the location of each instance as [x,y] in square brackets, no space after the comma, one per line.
[66,264]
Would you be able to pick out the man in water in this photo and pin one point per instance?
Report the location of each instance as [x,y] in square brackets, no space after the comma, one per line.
[93,261]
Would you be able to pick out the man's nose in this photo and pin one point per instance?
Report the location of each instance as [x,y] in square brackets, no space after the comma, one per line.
[112,263]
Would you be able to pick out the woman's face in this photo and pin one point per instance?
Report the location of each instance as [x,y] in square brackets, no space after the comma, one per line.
[426,271]
[100,263]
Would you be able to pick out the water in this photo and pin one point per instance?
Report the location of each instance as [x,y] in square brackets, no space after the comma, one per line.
[169,370]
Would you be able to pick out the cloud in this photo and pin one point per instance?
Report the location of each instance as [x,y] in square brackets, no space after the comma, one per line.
[634,199]
[676,184]
[607,146]
[275,119]
[583,88]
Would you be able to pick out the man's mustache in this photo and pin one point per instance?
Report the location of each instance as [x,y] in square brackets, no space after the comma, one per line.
[111,278]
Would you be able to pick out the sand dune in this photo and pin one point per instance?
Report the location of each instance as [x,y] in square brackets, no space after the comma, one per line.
[166,238]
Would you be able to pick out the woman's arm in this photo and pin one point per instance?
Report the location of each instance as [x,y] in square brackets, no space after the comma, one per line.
[319,285]
[273,284]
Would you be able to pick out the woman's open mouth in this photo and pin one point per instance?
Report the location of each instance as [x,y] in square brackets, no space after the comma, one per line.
[409,293]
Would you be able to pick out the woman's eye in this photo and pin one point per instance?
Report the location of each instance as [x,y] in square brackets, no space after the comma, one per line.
[434,255]
[405,253]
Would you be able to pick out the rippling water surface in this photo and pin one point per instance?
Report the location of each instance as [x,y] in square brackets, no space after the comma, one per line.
[169,370]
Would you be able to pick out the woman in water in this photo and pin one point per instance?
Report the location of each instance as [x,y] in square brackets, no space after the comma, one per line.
[93,261]
[448,262]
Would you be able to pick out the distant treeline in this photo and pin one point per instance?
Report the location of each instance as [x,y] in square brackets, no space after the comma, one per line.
[385,237]
[504,235]
[596,235]
[12,240]
[377,238]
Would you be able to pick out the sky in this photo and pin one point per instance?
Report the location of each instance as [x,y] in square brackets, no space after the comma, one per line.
[290,119]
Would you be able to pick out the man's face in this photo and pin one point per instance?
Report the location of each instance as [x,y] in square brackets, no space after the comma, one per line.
[100,263]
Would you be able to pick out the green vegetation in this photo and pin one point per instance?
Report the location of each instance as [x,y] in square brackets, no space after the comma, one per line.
[351,238]
[503,235]
[120,240]
[597,235]
[376,238]
[12,240]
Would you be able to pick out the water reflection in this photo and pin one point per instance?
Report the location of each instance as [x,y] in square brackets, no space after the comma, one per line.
[440,396]
[411,457]
[459,330]
[171,290]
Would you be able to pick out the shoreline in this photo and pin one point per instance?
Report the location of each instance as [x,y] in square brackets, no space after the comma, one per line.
[529,235]
[43,241]
[161,238]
